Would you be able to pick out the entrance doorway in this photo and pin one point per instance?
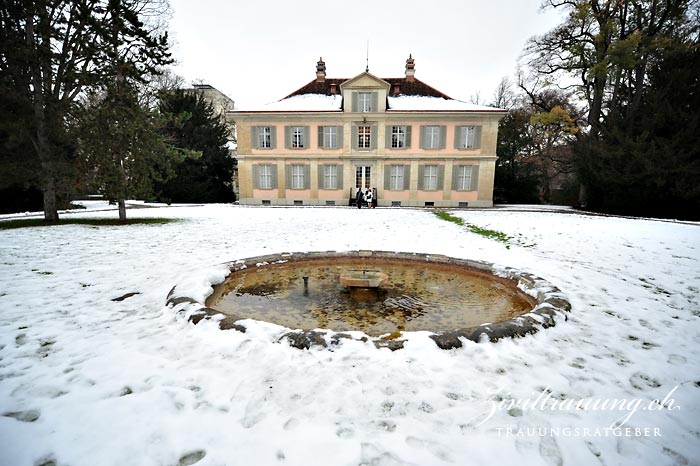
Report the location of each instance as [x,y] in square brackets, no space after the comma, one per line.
[363,177]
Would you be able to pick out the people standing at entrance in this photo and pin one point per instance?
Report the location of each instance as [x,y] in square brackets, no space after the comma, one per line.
[374,197]
[358,198]
[370,197]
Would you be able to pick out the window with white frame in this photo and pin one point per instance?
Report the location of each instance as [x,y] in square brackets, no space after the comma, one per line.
[464,178]
[432,137]
[364,137]
[396,181]
[364,101]
[330,177]
[265,176]
[398,137]
[297,172]
[264,137]
[430,177]
[297,137]
[467,137]
[330,137]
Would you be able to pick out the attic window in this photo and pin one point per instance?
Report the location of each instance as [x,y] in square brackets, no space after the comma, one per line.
[397,88]
[365,101]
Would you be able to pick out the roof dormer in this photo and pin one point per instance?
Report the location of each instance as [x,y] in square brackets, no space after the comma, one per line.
[365,93]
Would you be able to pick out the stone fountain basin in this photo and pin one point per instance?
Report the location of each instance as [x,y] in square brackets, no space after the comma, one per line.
[550,304]
[363,278]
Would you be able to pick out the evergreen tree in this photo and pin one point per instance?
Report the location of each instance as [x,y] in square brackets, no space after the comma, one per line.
[195,126]
[123,150]
[652,166]
[55,51]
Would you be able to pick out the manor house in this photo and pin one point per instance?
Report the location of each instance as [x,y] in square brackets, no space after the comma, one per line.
[413,144]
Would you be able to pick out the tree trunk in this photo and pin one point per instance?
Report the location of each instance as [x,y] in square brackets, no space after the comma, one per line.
[122,210]
[42,143]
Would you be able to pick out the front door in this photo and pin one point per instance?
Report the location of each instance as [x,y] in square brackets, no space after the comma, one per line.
[363,177]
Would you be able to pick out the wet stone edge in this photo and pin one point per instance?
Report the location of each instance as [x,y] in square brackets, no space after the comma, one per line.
[550,302]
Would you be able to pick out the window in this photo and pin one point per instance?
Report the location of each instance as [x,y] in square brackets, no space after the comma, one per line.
[432,137]
[265,176]
[265,137]
[297,137]
[364,101]
[396,177]
[467,137]
[430,177]
[330,137]
[398,137]
[364,137]
[297,172]
[330,177]
[465,177]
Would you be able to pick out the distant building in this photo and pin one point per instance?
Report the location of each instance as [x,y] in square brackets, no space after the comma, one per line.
[222,105]
[415,145]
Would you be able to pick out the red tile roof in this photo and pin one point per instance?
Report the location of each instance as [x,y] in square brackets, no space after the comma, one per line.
[406,87]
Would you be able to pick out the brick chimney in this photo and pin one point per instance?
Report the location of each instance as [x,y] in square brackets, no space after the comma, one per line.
[410,69]
[321,71]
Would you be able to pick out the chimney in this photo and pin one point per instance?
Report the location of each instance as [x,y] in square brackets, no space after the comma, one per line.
[410,69]
[333,89]
[320,71]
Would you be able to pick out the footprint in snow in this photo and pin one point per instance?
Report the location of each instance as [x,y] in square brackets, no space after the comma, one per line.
[30,415]
[291,424]
[191,458]
[642,381]
[677,359]
[550,452]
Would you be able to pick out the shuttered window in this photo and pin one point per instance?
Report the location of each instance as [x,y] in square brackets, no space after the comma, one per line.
[330,137]
[330,176]
[264,137]
[465,177]
[398,136]
[296,137]
[365,102]
[265,176]
[432,137]
[468,137]
[397,177]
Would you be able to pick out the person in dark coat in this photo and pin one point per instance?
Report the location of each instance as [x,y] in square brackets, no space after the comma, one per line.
[359,198]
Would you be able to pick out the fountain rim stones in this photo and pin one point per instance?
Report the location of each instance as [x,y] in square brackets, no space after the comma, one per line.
[550,302]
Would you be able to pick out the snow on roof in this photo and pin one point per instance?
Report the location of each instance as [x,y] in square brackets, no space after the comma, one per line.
[303,103]
[333,103]
[426,103]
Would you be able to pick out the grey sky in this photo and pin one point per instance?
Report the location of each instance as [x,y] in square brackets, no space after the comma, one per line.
[259,51]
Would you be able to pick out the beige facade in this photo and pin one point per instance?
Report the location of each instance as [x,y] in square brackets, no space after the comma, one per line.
[318,148]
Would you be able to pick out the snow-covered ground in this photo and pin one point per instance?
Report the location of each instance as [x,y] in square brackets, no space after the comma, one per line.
[85,380]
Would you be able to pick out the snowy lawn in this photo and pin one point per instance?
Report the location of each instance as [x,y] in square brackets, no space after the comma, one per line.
[85,380]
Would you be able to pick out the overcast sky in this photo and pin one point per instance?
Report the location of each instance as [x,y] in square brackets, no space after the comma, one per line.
[259,51]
